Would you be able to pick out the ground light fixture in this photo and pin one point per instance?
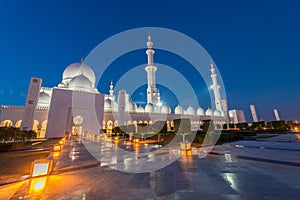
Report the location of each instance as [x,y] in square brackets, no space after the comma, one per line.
[41,167]
[61,142]
[186,148]
[57,147]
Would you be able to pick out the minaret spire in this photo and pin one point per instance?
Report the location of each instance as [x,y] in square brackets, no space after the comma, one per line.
[111,89]
[149,42]
[151,69]
[158,97]
[150,52]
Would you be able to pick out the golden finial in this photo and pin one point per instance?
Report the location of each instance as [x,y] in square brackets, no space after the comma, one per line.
[149,37]
[212,64]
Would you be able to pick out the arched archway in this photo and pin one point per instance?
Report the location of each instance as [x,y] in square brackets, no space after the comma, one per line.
[109,126]
[35,125]
[18,124]
[43,129]
[172,123]
[116,123]
[6,123]
[77,125]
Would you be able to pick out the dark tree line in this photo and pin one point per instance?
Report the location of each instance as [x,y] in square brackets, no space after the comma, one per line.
[15,134]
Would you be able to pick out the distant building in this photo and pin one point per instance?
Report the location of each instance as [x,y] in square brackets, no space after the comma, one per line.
[253,112]
[237,116]
[224,106]
[276,115]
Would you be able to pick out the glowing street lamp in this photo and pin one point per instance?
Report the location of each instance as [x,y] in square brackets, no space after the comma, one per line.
[41,167]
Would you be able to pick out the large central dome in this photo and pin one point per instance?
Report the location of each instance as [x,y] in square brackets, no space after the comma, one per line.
[80,82]
[76,69]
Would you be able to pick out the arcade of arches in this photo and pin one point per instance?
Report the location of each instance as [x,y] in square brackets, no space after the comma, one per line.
[38,127]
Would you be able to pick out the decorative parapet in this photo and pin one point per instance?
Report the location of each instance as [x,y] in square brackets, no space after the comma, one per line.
[40,107]
[46,88]
[13,107]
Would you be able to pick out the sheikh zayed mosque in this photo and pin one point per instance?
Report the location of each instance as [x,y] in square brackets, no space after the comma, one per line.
[76,106]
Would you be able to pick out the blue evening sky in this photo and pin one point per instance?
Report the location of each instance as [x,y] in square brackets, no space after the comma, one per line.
[255,44]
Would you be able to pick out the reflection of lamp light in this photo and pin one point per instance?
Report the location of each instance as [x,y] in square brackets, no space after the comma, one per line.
[116,138]
[40,167]
[37,185]
[136,140]
[57,147]
[61,142]
[56,154]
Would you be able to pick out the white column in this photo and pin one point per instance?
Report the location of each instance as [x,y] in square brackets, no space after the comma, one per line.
[253,112]
[276,115]
[31,103]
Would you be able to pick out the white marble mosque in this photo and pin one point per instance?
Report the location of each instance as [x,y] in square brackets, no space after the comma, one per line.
[51,112]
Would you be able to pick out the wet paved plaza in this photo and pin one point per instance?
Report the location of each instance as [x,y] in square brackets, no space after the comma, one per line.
[222,175]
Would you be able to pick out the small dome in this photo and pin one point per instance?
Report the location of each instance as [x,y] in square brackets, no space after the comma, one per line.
[156,108]
[131,107]
[209,112]
[140,109]
[217,113]
[190,110]
[179,110]
[76,69]
[81,82]
[200,112]
[115,106]
[165,109]
[149,108]
[44,98]
[107,105]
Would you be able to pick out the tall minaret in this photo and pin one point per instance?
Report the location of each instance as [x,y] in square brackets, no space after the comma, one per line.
[151,69]
[216,88]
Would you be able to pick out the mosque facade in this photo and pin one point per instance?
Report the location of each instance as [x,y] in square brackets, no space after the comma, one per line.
[76,106]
